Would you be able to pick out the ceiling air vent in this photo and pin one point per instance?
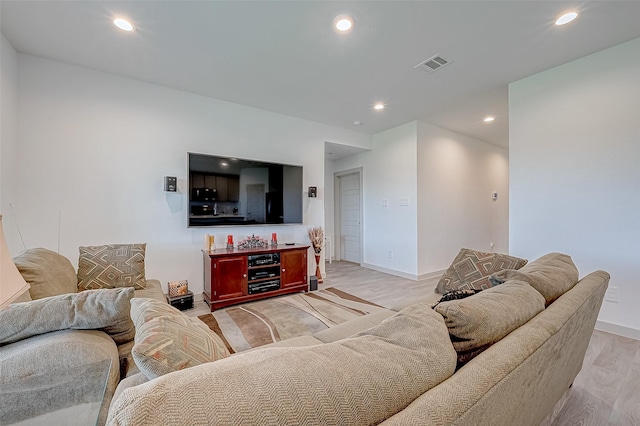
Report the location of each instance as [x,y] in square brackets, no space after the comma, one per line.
[432,64]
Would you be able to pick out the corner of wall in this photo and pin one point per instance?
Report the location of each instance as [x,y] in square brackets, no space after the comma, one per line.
[8,134]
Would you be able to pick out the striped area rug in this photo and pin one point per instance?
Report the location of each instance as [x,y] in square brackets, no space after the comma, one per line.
[259,323]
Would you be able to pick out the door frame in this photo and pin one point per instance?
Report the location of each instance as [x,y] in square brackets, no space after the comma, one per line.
[337,220]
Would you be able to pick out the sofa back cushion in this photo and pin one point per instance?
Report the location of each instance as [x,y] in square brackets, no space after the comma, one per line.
[362,379]
[110,266]
[48,273]
[106,310]
[478,321]
[552,275]
[471,270]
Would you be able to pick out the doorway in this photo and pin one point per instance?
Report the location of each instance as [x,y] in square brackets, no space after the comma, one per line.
[348,215]
[255,203]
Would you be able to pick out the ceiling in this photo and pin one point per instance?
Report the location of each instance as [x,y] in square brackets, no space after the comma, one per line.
[285,57]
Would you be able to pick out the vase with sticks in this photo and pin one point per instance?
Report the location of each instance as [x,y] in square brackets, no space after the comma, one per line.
[316,236]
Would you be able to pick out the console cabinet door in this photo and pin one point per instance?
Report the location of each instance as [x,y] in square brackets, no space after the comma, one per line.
[229,277]
[293,267]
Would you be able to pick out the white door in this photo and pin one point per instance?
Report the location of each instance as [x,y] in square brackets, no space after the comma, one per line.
[350,217]
[255,202]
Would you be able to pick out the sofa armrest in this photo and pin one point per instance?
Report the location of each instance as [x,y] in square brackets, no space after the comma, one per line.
[50,372]
[519,379]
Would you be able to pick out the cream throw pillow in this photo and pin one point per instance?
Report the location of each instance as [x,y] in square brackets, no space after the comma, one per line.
[167,340]
[552,275]
[48,273]
[479,321]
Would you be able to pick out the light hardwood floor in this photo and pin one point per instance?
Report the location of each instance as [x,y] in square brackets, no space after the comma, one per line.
[605,392]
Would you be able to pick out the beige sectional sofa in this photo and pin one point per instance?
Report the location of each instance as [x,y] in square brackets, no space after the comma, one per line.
[398,367]
[60,376]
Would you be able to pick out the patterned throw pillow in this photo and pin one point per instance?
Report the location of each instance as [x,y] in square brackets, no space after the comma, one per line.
[111,266]
[471,270]
[168,340]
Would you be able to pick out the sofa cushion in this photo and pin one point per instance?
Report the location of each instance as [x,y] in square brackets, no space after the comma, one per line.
[552,275]
[363,379]
[48,273]
[106,310]
[478,321]
[471,270]
[353,326]
[113,265]
[167,340]
[153,290]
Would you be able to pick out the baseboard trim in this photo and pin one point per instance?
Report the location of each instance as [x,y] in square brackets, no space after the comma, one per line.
[390,271]
[620,330]
[429,275]
[400,274]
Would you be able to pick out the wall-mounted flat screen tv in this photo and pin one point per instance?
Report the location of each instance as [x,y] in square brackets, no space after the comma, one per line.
[228,191]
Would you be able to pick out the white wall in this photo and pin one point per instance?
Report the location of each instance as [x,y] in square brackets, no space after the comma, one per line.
[448,179]
[575,170]
[457,175]
[8,140]
[389,172]
[95,147]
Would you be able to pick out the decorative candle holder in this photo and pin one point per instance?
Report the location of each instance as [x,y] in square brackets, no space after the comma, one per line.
[253,242]
[229,241]
[274,239]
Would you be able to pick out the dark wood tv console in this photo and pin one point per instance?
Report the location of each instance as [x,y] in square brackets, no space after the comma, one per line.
[240,275]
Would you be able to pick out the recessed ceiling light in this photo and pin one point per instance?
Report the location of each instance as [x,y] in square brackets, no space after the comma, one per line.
[224,164]
[566,18]
[343,23]
[123,24]
[489,119]
[378,106]
[357,123]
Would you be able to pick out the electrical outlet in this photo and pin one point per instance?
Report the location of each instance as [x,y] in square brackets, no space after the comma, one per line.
[385,203]
[612,295]
[390,254]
